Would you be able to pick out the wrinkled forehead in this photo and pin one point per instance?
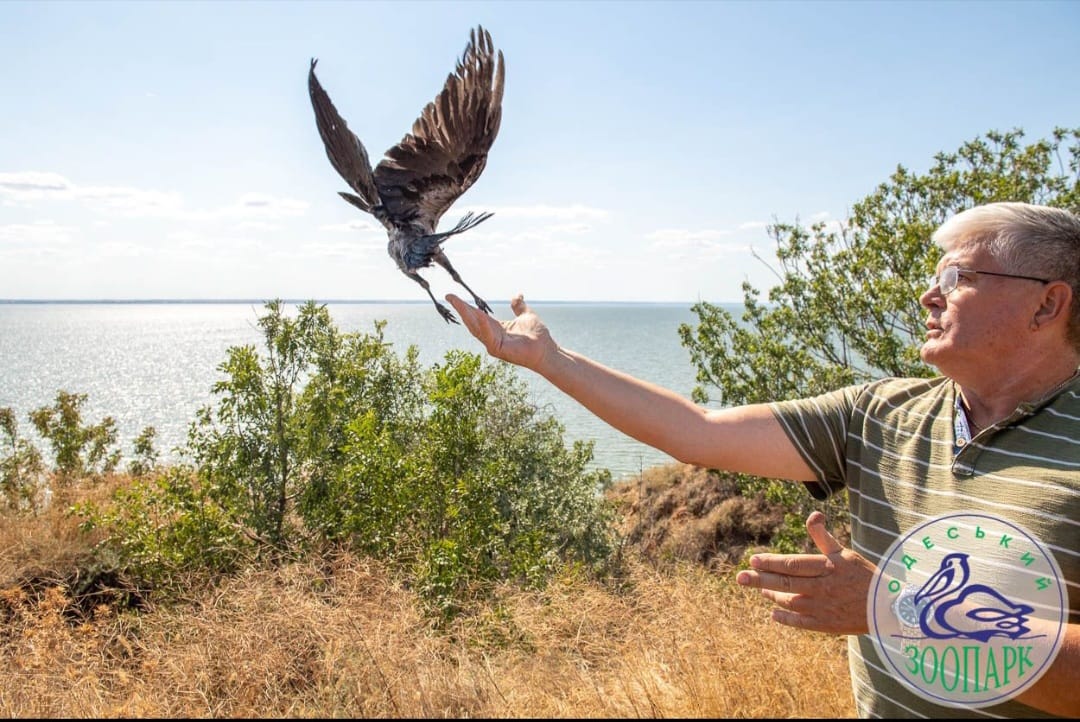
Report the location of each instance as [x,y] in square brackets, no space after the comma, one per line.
[965,253]
[955,234]
[966,238]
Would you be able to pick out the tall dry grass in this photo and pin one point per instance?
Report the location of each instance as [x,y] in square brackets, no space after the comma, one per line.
[342,638]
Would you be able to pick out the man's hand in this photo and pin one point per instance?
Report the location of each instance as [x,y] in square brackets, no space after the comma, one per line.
[821,592]
[524,340]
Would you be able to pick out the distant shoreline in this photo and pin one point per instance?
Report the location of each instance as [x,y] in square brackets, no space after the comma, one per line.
[375,301]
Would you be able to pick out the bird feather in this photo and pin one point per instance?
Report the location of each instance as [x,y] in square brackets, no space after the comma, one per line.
[421,176]
[345,151]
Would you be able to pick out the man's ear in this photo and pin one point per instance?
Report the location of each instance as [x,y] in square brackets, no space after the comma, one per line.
[1057,298]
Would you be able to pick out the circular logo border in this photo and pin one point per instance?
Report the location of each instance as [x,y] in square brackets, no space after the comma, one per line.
[902,607]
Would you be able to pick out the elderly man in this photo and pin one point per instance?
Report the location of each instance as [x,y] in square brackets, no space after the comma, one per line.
[997,434]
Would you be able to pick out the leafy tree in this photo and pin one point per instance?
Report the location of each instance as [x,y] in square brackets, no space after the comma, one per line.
[79,450]
[331,439]
[249,449]
[361,399]
[845,309]
[146,455]
[21,467]
[484,490]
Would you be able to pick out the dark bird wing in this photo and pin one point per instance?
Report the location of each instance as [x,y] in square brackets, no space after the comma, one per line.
[343,148]
[447,149]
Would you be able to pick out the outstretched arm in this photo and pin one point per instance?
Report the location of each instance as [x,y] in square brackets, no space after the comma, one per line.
[745,439]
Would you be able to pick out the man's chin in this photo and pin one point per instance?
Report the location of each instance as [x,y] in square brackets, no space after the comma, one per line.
[928,352]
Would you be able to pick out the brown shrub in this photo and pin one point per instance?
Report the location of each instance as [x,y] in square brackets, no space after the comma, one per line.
[680,512]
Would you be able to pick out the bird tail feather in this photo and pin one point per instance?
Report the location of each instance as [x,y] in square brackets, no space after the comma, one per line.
[469,220]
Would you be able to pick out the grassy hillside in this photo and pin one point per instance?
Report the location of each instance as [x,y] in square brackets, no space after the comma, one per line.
[674,637]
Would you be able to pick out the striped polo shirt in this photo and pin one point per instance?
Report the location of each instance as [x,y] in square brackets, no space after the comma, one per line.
[902,450]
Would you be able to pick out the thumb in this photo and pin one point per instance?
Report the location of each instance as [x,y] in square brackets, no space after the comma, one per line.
[518,305]
[825,541]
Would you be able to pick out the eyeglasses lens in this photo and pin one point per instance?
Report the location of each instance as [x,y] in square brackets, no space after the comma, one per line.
[947,281]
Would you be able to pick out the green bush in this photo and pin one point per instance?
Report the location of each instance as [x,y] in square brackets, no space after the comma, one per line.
[165,528]
[78,450]
[146,456]
[333,439]
[481,490]
[21,468]
[250,450]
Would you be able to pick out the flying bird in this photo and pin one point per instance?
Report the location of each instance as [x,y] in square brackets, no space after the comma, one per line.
[422,176]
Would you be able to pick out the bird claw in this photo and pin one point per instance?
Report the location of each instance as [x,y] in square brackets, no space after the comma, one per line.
[482,305]
[445,312]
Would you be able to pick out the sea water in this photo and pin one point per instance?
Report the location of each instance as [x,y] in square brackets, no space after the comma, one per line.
[155,363]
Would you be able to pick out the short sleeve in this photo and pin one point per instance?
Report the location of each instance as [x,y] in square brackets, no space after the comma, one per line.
[818,426]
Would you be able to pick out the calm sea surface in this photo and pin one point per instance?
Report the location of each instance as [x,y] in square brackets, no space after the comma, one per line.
[153,364]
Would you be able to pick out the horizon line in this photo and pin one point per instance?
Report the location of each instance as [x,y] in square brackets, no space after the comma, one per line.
[119,301]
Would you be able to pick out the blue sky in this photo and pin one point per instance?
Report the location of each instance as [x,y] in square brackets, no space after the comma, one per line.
[168,150]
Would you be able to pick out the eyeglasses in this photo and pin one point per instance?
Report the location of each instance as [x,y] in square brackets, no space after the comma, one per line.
[950,276]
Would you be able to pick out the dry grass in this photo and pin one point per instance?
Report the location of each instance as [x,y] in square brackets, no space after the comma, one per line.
[342,639]
[680,512]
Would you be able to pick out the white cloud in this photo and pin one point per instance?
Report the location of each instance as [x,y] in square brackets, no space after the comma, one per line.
[129,202]
[35,238]
[682,236]
[32,185]
[201,244]
[121,248]
[564,213]
[544,251]
[34,232]
[179,242]
[568,228]
[351,226]
[706,244]
[337,249]
[263,206]
[702,245]
[257,226]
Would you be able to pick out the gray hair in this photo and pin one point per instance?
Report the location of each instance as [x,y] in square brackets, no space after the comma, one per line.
[1027,239]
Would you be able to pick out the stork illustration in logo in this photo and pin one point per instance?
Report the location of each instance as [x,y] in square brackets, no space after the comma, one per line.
[951,608]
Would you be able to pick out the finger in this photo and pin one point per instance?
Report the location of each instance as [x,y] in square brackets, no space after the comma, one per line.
[792,602]
[798,565]
[464,310]
[476,322]
[825,541]
[779,583]
[456,302]
[518,305]
[797,620]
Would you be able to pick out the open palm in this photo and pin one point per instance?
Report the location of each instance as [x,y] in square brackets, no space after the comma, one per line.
[524,340]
